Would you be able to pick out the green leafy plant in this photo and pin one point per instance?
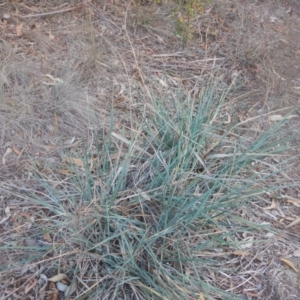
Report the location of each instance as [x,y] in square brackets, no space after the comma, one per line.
[185,11]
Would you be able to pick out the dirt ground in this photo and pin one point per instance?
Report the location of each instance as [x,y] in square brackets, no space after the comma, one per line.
[120,53]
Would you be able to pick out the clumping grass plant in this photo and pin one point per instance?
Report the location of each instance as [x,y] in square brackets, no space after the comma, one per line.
[135,218]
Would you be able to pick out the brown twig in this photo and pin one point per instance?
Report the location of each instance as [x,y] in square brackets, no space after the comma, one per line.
[56,12]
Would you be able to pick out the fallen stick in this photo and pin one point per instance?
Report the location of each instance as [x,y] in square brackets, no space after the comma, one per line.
[55,12]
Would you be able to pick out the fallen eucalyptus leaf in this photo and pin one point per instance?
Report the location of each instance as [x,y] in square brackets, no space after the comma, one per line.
[58,277]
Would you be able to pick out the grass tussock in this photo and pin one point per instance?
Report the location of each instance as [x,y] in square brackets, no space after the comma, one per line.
[156,216]
[39,101]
